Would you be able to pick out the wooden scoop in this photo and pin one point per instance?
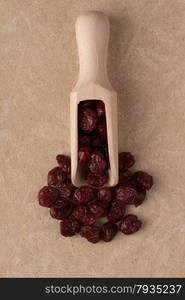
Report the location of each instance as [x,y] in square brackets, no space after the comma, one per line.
[92,35]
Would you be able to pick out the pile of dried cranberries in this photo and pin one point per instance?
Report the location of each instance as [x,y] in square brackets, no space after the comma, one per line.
[80,209]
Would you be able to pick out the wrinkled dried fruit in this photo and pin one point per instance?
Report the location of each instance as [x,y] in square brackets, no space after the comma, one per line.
[130,224]
[125,176]
[96,180]
[48,196]
[100,108]
[126,160]
[143,179]
[102,127]
[105,194]
[84,215]
[66,189]
[61,209]
[84,155]
[64,162]
[84,194]
[97,209]
[97,162]
[84,139]
[91,233]
[69,227]
[115,213]
[56,177]
[141,194]
[108,231]
[87,120]
[125,194]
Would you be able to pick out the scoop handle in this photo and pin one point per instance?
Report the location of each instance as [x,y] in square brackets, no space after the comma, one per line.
[92,35]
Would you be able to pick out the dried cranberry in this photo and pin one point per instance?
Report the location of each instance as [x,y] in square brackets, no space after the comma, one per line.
[84,155]
[105,194]
[66,189]
[100,108]
[64,162]
[61,209]
[102,127]
[69,227]
[125,194]
[97,209]
[47,196]
[126,160]
[108,231]
[97,163]
[143,179]
[115,213]
[56,177]
[83,215]
[84,139]
[87,120]
[84,194]
[96,180]
[97,141]
[141,194]
[130,224]
[91,233]
[125,176]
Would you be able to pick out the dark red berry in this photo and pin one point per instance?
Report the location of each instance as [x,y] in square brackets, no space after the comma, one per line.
[141,194]
[64,162]
[143,179]
[61,209]
[108,231]
[96,180]
[84,155]
[69,227]
[56,177]
[97,141]
[84,194]
[84,215]
[126,160]
[87,120]
[66,189]
[102,127]
[48,196]
[91,233]
[97,163]
[105,194]
[97,209]
[100,108]
[125,176]
[130,224]
[125,194]
[84,139]
[115,213]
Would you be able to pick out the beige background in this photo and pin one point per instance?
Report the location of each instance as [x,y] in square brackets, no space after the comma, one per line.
[38,68]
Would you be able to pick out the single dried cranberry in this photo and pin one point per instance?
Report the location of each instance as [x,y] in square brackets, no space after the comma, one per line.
[87,120]
[66,189]
[141,194]
[84,139]
[143,179]
[69,227]
[61,209]
[105,194]
[84,155]
[108,231]
[130,224]
[48,196]
[91,233]
[125,176]
[83,215]
[102,127]
[100,108]
[115,213]
[126,160]
[97,141]
[125,194]
[96,180]
[64,162]
[56,177]
[84,194]
[97,163]
[97,209]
